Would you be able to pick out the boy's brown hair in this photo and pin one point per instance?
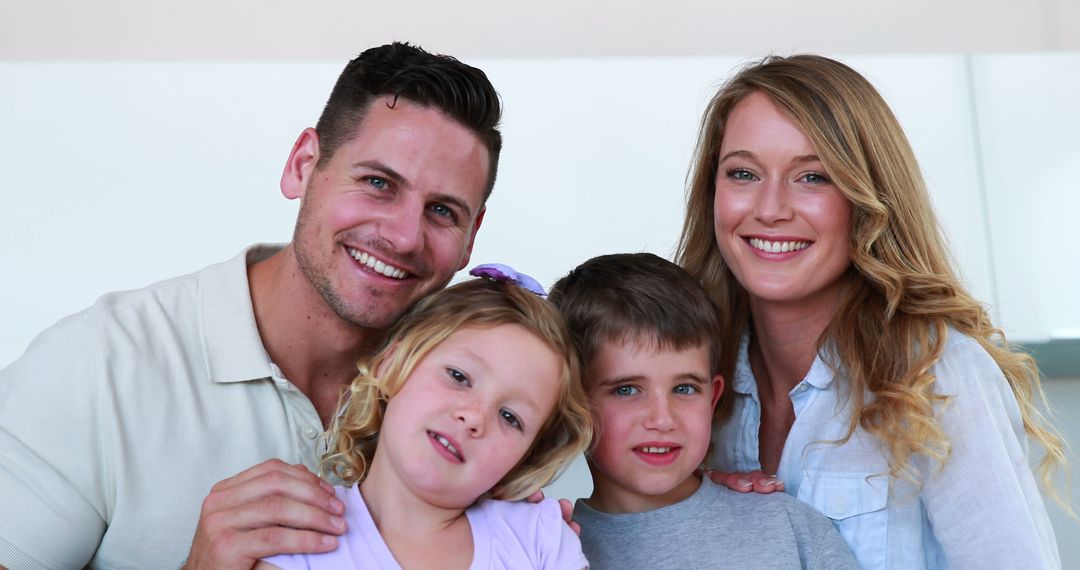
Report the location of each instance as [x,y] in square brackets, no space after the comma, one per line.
[626,297]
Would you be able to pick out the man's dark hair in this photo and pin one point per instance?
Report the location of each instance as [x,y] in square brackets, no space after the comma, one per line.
[408,72]
[626,297]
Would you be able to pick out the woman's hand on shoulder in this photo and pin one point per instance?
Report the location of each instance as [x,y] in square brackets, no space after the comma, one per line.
[756,481]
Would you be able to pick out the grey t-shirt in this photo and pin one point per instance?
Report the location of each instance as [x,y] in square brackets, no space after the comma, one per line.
[714,528]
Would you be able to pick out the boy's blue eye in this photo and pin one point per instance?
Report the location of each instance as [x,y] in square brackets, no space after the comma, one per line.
[625,390]
[511,419]
[686,389]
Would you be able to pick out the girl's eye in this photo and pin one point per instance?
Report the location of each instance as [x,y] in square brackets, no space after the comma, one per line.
[686,389]
[511,419]
[740,174]
[626,390]
[457,377]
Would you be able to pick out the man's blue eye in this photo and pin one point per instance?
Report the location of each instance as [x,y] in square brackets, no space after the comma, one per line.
[379,183]
[441,210]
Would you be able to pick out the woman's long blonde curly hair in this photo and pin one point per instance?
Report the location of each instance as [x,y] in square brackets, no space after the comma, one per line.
[475,303]
[901,293]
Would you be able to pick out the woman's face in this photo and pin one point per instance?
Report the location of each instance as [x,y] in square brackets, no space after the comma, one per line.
[781,224]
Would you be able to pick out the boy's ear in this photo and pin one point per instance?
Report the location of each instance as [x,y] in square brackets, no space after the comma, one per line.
[718,388]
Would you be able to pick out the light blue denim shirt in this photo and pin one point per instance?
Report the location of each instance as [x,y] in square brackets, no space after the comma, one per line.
[981,510]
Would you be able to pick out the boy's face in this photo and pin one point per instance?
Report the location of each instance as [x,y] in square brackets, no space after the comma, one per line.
[655,410]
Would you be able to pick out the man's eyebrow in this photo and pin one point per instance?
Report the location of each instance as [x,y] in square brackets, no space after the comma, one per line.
[382,168]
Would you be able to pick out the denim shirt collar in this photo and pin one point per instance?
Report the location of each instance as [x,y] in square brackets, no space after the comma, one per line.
[819,376]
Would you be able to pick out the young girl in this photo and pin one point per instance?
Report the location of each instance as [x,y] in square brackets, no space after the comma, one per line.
[475,396]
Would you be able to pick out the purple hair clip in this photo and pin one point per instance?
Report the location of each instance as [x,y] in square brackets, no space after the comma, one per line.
[506,274]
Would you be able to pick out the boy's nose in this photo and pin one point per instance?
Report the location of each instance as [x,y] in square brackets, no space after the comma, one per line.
[659,416]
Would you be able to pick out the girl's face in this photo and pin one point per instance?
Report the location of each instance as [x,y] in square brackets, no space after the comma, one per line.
[780,223]
[468,413]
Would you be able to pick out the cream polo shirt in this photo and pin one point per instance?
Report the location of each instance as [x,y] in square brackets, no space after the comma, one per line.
[118,420]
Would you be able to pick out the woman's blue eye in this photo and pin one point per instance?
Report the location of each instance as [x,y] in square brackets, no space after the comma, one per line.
[457,376]
[510,418]
[686,389]
[625,390]
[379,183]
[740,174]
[815,178]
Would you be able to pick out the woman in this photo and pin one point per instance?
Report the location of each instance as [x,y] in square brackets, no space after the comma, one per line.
[862,373]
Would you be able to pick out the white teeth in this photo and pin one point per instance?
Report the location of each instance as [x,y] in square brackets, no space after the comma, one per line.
[656,449]
[778,246]
[446,443]
[377,265]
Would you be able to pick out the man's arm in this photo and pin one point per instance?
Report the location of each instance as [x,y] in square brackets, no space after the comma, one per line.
[271,508]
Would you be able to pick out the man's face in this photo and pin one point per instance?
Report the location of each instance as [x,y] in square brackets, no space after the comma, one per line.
[391,216]
[655,409]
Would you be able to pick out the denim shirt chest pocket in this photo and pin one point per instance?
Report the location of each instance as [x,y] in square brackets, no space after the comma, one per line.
[856,503]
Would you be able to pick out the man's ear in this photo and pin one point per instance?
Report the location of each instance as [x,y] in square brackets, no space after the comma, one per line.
[300,166]
[472,238]
[718,388]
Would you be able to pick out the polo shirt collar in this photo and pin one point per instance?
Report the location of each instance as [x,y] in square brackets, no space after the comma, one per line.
[234,350]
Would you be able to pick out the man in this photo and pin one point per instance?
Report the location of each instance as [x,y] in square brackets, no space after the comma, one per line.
[118,420]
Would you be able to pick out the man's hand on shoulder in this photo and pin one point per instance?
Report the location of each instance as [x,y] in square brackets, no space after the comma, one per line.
[271,508]
[756,481]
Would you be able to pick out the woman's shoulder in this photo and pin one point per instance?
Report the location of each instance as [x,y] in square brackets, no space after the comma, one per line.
[964,358]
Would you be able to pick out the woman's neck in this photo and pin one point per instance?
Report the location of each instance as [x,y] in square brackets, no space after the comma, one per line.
[418,533]
[784,340]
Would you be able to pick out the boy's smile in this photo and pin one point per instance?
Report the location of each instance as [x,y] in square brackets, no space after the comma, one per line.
[654,405]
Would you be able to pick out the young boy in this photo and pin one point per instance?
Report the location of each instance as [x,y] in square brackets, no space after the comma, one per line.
[646,333]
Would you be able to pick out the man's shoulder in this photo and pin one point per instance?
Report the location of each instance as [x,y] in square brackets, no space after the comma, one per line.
[132,324]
